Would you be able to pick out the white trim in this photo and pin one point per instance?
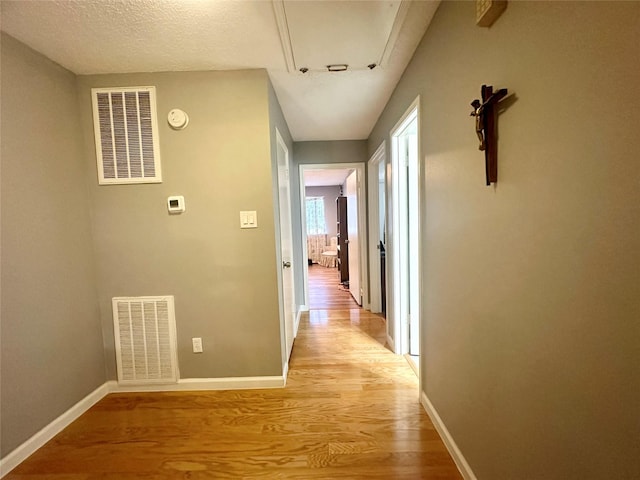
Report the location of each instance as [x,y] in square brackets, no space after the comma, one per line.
[407,116]
[363,235]
[448,440]
[304,260]
[285,38]
[282,255]
[192,384]
[297,322]
[390,342]
[375,293]
[398,307]
[20,453]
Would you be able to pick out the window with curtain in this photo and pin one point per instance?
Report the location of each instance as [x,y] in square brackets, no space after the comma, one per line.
[316,223]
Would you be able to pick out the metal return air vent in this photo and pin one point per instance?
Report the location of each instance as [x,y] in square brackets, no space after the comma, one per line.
[145,336]
[126,135]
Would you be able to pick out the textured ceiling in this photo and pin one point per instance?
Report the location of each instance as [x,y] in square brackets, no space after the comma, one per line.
[109,36]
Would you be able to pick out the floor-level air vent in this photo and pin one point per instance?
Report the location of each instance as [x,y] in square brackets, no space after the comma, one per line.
[145,335]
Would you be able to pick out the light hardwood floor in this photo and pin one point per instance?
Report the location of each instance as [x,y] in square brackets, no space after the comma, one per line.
[325,290]
[349,411]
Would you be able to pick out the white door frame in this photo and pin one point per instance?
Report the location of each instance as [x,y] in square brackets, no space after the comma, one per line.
[364,270]
[398,256]
[375,290]
[288,328]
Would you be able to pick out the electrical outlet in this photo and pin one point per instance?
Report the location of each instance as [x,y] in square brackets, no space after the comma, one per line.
[197,344]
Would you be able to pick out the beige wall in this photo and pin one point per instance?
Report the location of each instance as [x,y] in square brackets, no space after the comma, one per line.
[531,290]
[51,348]
[277,120]
[223,278]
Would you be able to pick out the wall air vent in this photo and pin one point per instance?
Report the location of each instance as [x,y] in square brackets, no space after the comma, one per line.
[126,134]
[145,338]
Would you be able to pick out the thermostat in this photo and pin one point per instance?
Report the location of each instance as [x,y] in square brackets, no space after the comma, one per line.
[175,204]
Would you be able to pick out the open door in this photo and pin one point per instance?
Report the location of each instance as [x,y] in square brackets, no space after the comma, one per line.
[406,232]
[353,245]
[284,202]
[377,230]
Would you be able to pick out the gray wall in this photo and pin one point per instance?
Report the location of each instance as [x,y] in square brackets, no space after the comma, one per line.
[339,151]
[51,348]
[223,278]
[531,290]
[277,120]
[330,211]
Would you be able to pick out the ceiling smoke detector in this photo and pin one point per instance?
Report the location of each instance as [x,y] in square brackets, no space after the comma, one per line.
[337,68]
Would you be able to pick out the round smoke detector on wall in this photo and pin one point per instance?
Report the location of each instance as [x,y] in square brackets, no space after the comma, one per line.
[178,120]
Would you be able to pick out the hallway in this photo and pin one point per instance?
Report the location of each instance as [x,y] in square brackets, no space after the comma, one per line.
[366,400]
[325,290]
[349,411]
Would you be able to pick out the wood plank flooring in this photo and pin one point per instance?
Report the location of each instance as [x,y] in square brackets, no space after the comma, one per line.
[325,290]
[349,411]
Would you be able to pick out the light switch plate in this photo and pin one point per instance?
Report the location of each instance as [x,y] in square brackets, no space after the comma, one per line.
[248,219]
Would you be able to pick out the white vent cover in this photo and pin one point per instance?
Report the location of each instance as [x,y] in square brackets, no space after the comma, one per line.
[145,335]
[126,133]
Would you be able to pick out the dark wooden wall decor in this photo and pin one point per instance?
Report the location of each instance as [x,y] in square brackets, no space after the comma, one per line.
[486,115]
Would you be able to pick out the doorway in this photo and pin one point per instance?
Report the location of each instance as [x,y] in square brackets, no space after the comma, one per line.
[358,269]
[405,187]
[377,231]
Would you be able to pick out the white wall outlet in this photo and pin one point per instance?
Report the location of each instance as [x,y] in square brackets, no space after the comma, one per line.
[197,344]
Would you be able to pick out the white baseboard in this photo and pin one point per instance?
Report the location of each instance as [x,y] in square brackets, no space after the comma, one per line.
[17,456]
[391,343]
[296,323]
[193,384]
[453,449]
